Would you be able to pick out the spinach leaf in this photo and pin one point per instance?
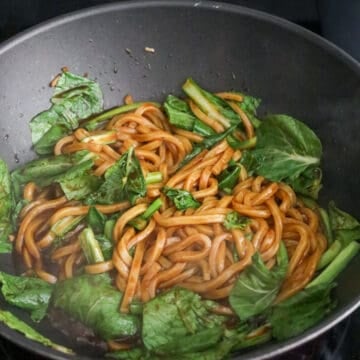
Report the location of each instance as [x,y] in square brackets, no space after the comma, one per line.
[75,98]
[6,209]
[92,300]
[257,286]
[345,227]
[16,324]
[178,321]
[182,199]
[31,294]
[301,311]
[233,220]
[285,149]
[123,181]
[180,115]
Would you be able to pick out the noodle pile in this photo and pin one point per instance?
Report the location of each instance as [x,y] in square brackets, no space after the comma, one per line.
[192,248]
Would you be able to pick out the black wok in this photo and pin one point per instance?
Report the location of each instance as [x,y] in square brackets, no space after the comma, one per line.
[223,47]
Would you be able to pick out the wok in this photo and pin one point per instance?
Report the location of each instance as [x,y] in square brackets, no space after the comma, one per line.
[222,47]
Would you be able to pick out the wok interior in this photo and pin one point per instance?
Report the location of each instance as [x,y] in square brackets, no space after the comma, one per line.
[222,48]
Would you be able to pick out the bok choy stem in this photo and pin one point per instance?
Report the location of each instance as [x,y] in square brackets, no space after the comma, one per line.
[329,255]
[90,246]
[95,121]
[140,222]
[153,177]
[195,93]
[337,266]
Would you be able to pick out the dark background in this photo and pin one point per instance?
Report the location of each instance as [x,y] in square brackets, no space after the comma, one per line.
[336,20]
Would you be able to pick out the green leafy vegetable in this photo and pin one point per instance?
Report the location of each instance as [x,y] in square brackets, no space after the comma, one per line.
[286,150]
[96,220]
[97,120]
[180,116]
[6,209]
[229,177]
[132,354]
[337,265]
[90,246]
[123,181]
[178,321]
[78,182]
[207,143]
[212,105]
[75,98]
[182,199]
[329,255]
[325,222]
[92,300]
[31,294]
[257,286]
[153,177]
[16,324]
[345,227]
[140,222]
[233,220]
[301,311]
[241,145]
[50,169]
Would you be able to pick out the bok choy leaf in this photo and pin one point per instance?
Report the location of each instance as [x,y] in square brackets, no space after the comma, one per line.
[75,98]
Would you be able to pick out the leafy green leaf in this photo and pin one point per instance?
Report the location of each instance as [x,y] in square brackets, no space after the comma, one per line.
[96,220]
[301,311]
[123,181]
[182,199]
[308,183]
[106,246]
[345,227]
[31,294]
[233,220]
[6,209]
[75,98]
[207,143]
[132,354]
[257,286]
[92,300]
[181,116]
[286,148]
[178,321]
[47,170]
[16,324]
[212,105]
[229,177]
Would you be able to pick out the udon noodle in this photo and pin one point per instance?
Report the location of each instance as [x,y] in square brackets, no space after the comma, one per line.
[192,248]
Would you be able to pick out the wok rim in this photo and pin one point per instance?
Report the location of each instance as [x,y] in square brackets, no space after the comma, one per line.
[267,350]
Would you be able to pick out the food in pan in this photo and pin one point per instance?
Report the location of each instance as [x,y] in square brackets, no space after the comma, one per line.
[183,230]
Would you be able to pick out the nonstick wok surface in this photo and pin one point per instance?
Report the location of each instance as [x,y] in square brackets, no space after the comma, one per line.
[222,47]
